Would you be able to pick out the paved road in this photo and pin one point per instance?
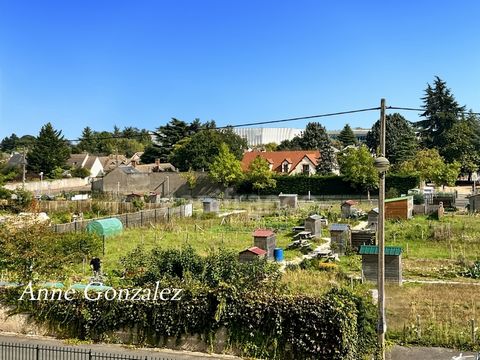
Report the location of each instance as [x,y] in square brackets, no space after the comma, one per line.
[424,353]
[7,353]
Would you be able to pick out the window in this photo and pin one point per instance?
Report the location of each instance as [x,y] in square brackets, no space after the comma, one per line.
[285,167]
[306,169]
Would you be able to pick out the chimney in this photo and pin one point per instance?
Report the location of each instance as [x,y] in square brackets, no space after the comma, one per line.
[134,163]
[157,162]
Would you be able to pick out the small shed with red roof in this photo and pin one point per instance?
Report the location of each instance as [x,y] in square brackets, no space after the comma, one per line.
[347,208]
[266,240]
[251,254]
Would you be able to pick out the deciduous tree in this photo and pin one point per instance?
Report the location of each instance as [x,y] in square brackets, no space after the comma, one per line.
[226,169]
[259,174]
[357,165]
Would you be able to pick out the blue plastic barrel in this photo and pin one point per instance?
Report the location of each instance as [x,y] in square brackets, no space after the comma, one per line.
[278,254]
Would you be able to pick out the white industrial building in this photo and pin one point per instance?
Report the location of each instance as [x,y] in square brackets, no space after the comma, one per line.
[262,136]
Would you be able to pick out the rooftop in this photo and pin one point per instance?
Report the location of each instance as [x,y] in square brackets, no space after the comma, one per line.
[373,250]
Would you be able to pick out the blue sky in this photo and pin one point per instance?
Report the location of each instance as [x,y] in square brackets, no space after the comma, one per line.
[139,63]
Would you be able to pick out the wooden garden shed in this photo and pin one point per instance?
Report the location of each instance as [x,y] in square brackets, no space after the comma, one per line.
[474,203]
[314,224]
[265,240]
[251,254]
[347,208]
[399,208]
[363,237]
[288,200]
[340,237]
[210,205]
[372,219]
[393,263]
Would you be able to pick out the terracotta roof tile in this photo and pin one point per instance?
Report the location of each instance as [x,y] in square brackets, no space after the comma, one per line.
[263,233]
[277,157]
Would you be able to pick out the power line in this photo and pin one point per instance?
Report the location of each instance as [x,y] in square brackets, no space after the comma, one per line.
[423,110]
[249,124]
[301,118]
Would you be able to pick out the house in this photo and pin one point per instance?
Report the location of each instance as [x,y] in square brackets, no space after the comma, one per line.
[393,263]
[348,209]
[340,235]
[135,158]
[85,161]
[155,167]
[16,160]
[399,208]
[251,254]
[286,162]
[112,161]
[266,240]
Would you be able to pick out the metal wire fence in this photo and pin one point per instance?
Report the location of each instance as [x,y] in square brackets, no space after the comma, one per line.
[17,351]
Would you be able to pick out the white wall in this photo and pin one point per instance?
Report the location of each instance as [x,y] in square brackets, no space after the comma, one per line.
[46,185]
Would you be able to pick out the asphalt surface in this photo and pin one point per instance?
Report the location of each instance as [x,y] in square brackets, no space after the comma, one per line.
[425,353]
[80,352]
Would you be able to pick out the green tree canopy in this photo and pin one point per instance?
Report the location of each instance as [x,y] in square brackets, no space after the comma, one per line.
[314,137]
[400,141]
[429,165]
[49,151]
[199,150]
[347,137]
[357,165]
[441,112]
[9,143]
[226,169]
[259,174]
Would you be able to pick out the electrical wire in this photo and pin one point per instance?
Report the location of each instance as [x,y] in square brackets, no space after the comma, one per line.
[249,124]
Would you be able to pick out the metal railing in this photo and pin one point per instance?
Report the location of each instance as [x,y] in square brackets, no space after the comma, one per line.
[20,351]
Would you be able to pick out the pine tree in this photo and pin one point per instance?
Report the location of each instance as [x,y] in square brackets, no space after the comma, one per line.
[400,140]
[50,151]
[441,113]
[327,161]
[87,142]
[347,137]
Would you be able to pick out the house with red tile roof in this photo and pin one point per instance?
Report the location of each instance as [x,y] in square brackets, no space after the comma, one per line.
[286,162]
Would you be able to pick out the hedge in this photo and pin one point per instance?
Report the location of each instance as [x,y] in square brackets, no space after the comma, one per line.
[338,325]
[326,185]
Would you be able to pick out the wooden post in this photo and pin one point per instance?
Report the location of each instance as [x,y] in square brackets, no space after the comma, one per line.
[381,240]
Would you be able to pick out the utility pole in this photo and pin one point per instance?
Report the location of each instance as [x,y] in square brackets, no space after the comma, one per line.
[381,238]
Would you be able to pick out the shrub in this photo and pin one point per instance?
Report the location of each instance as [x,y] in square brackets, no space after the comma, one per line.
[80,172]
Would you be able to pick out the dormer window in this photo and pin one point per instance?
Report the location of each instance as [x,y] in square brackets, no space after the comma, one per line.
[285,167]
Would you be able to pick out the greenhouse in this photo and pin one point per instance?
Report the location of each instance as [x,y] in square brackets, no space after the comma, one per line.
[105,227]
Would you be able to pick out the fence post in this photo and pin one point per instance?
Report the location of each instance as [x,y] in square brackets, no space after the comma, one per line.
[37,352]
[141,217]
[126,220]
[90,354]
[419,331]
[472,323]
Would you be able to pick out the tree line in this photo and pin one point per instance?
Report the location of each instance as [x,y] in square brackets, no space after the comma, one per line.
[443,144]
